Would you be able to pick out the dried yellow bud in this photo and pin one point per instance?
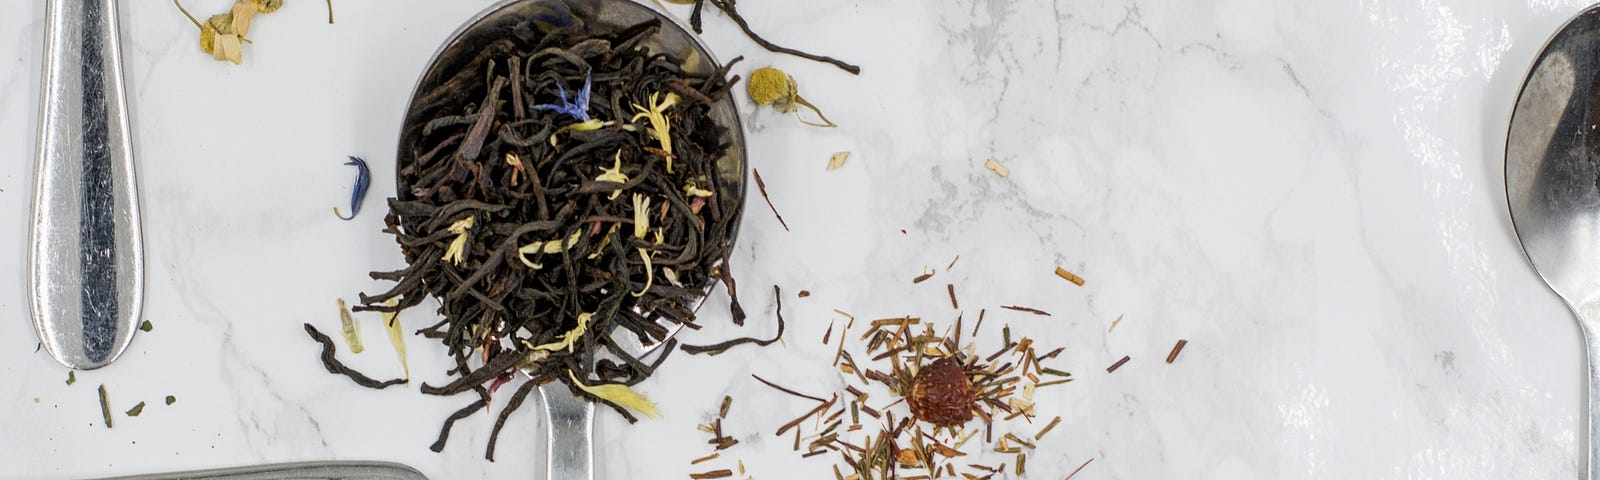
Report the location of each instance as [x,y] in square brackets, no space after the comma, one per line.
[268,6]
[770,86]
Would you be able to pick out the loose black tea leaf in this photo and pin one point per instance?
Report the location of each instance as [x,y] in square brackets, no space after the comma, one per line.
[105,406]
[564,188]
[727,8]
[336,367]
[724,346]
[136,410]
[1034,311]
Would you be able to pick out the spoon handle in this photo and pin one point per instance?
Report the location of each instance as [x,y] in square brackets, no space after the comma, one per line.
[1590,443]
[85,263]
[569,428]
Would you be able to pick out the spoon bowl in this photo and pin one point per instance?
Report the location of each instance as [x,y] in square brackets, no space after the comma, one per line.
[1553,187]
[569,418]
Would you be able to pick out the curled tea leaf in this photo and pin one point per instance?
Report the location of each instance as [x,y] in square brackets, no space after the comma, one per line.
[619,395]
[770,86]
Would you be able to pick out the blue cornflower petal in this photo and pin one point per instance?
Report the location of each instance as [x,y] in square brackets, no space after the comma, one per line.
[363,180]
[578,109]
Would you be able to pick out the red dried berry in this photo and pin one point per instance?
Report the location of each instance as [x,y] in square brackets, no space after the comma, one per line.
[941,394]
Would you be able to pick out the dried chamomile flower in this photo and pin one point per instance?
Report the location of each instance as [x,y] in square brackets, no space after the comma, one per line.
[770,86]
[223,35]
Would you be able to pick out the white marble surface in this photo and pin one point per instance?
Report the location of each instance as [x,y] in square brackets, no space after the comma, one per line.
[1310,192]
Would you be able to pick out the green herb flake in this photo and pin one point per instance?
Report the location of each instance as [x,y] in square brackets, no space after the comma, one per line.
[136,410]
[147,326]
[105,406]
[171,399]
[72,377]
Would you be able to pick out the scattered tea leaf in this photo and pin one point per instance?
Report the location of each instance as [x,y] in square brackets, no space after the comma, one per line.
[951,287]
[837,160]
[336,367]
[1069,276]
[105,406]
[1114,323]
[72,377]
[997,168]
[723,473]
[1046,429]
[1175,349]
[952,263]
[728,8]
[136,410]
[804,293]
[619,395]
[171,399]
[350,329]
[330,12]
[147,326]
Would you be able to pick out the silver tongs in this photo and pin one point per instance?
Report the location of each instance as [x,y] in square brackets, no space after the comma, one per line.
[86,259]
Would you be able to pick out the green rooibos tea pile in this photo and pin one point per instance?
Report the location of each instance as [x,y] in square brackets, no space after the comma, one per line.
[562,184]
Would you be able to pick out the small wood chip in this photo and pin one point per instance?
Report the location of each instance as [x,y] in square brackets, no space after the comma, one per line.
[1114,323]
[1175,349]
[1117,365]
[837,160]
[171,399]
[997,168]
[1040,435]
[706,458]
[724,473]
[950,287]
[952,263]
[1069,276]
[922,278]
[804,293]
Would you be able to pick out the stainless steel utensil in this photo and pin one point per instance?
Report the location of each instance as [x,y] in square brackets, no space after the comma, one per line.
[86,260]
[296,471]
[1553,187]
[570,419]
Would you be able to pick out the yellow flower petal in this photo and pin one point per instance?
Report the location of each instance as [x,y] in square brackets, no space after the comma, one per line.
[458,246]
[350,329]
[659,125]
[641,215]
[550,247]
[613,175]
[620,395]
[391,321]
[570,338]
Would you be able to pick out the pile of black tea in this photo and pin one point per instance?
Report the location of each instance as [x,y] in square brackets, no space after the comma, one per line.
[562,184]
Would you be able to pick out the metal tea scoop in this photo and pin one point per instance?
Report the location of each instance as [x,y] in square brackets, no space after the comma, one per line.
[1553,187]
[569,418]
[86,259]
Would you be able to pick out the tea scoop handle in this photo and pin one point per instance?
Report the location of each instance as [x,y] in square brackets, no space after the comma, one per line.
[569,427]
[86,257]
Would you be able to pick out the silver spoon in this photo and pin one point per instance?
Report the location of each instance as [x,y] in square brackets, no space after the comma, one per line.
[569,418]
[86,260]
[1553,187]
